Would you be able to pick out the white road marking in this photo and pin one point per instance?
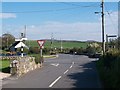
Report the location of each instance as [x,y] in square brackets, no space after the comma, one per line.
[55,65]
[55,81]
[73,62]
[71,66]
[81,66]
[66,71]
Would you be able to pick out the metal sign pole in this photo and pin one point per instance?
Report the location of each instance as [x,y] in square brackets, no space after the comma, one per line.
[41,56]
[21,51]
[41,52]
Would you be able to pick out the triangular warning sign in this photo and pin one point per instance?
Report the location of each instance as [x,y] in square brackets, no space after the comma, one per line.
[41,43]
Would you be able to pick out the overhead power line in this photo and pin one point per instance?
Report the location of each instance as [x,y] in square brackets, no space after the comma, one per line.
[110,17]
[52,10]
[62,9]
[92,5]
[111,20]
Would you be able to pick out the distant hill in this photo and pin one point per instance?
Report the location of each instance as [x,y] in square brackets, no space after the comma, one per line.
[57,43]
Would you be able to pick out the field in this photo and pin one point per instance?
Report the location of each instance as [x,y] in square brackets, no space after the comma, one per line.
[4,65]
[57,44]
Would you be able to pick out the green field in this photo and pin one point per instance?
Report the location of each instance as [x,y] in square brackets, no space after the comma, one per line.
[4,65]
[57,44]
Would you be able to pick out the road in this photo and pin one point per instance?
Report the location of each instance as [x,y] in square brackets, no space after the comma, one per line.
[66,71]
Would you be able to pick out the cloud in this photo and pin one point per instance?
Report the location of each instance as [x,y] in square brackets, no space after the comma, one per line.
[70,31]
[7,15]
[111,23]
[77,30]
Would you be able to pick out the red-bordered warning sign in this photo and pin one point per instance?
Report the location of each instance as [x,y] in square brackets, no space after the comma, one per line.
[41,43]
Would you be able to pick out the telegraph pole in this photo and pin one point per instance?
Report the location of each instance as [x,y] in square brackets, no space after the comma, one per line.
[103,32]
[61,45]
[106,42]
[51,40]
[25,31]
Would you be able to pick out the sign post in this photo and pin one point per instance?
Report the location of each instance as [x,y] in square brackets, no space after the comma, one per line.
[21,45]
[41,43]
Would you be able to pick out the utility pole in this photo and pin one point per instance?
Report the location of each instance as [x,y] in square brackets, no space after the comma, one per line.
[25,32]
[103,32]
[106,42]
[51,40]
[61,45]
[51,43]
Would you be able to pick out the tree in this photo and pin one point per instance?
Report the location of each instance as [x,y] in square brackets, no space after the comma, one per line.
[114,43]
[34,50]
[90,50]
[7,40]
[93,48]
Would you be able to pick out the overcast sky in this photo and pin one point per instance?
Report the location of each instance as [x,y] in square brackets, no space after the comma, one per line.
[66,20]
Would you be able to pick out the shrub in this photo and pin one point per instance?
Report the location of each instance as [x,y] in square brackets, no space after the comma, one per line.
[38,59]
[46,51]
[34,50]
[108,67]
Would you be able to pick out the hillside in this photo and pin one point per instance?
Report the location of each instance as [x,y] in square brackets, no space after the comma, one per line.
[57,44]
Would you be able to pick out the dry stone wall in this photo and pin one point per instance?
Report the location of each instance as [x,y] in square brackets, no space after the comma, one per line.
[23,65]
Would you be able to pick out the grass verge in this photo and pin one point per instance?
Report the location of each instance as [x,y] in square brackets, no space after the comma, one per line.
[108,67]
[5,66]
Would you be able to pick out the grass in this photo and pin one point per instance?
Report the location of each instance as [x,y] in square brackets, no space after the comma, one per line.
[49,56]
[57,44]
[4,66]
[108,67]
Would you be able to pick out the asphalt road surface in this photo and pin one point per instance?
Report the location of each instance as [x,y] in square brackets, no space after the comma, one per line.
[66,71]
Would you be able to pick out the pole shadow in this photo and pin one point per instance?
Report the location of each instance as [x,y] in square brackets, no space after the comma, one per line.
[86,76]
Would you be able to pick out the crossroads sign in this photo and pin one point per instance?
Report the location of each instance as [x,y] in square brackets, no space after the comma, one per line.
[41,43]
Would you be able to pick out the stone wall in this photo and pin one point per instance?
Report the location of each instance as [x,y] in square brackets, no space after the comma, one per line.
[23,65]
[10,57]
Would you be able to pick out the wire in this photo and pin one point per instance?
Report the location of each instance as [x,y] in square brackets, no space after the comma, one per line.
[62,9]
[111,20]
[78,5]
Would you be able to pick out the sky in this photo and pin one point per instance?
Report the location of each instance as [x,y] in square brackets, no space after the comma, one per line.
[119,19]
[64,20]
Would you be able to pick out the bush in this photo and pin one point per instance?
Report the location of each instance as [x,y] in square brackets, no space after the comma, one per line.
[77,50]
[38,59]
[108,67]
[46,51]
[34,50]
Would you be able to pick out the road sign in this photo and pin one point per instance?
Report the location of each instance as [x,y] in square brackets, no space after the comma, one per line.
[18,39]
[41,43]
